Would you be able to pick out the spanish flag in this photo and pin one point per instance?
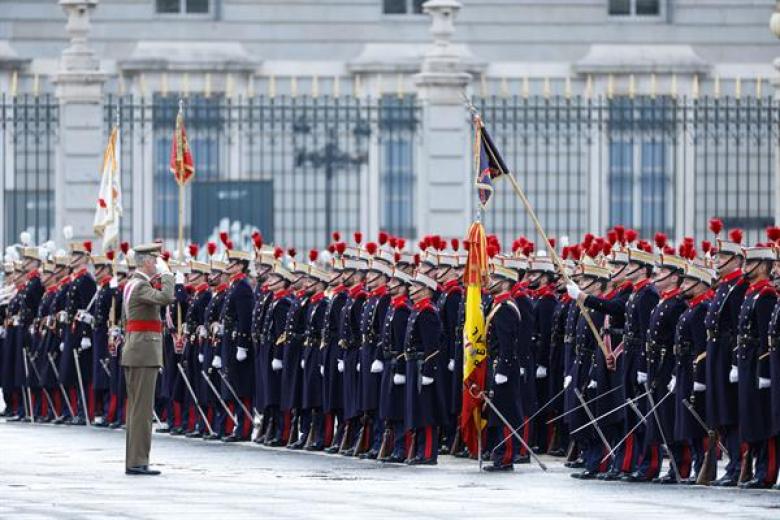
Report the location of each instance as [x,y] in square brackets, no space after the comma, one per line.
[474,340]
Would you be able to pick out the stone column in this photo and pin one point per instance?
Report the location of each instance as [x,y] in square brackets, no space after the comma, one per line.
[445,194]
[79,89]
[774,25]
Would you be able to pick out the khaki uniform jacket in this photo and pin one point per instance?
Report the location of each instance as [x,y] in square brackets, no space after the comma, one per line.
[144,349]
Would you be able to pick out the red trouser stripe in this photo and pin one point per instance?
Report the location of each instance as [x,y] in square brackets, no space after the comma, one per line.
[328,425]
[653,468]
[771,468]
[176,414]
[74,399]
[90,402]
[57,403]
[428,442]
[112,403]
[287,423]
[508,447]
[685,462]
[44,406]
[247,420]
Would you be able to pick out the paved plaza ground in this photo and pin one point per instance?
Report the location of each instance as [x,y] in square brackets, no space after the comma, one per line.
[51,471]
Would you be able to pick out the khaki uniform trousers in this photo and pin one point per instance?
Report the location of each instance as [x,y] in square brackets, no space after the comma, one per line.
[140,383]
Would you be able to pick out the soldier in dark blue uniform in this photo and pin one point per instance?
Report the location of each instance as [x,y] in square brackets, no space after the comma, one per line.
[312,421]
[237,351]
[504,380]
[541,280]
[12,393]
[690,347]
[211,350]
[104,302]
[753,375]
[265,258]
[49,408]
[117,389]
[78,329]
[774,360]
[721,322]
[170,390]
[660,366]
[425,409]
[274,326]
[392,398]
[196,335]
[56,344]
[584,371]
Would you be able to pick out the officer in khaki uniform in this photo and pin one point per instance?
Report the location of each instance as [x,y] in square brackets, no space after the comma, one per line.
[142,353]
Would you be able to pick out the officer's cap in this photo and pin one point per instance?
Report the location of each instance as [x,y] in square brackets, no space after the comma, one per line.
[152,248]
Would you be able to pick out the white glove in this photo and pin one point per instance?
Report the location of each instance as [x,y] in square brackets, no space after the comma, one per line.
[86,343]
[672,384]
[522,371]
[340,365]
[276,365]
[593,384]
[764,382]
[357,368]
[32,330]
[573,290]
[216,362]
[240,354]
[451,365]
[399,379]
[303,364]
[162,266]
[426,380]
[179,278]
[113,283]
[699,387]
[202,332]
[566,381]
[541,372]
[322,370]
[377,367]
[641,378]
[62,346]
[733,374]
[2,331]
[500,379]
[200,358]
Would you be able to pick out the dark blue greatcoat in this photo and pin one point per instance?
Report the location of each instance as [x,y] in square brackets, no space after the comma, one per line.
[80,293]
[425,404]
[311,393]
[236,328]
[391,343]
[275,324]
[295,335]
[371,320]
[333,380]
[505,333]
[350,340]
[263,299]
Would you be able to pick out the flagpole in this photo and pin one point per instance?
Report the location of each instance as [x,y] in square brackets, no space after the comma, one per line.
[180,182]
[540,230]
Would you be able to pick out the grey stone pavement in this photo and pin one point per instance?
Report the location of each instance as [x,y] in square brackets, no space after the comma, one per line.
[76,472]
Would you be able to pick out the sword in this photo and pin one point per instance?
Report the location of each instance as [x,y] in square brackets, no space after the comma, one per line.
[45,392]
[663,435]
[104,364]
[701,422]
[590,416]
[632,430]
[580,406]
[194,398]
[628,402]
[81,387]
[27,385]
[548,403]
[637,411]
[216,393]
[235,395]
[59,382]
[520,439]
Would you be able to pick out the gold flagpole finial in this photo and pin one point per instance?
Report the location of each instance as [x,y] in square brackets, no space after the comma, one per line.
[526,87]
[336,86]
[293,86]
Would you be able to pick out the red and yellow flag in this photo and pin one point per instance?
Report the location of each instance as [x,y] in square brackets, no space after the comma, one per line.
[474,340]
[182,164]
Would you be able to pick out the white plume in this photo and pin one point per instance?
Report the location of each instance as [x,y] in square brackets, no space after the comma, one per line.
[60,252]
[564,241]
[67,232]
[25,237]
[49,246]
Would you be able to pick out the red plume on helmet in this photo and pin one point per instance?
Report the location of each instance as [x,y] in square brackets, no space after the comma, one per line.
[336,236]
[332,248]
[193,249]
[528,249]
[576,252]
[706,246]
[223,237]
[313,254]
[371,247]
[124,247]
[292,252]
[455,244]
[631,235]
[278,252]
[229,245]
[773,233]
[358,236]
[341,247]
[735,235]
[383,238]
[393,242]
[422,245]
[551,240]
[689,240]
[668,250]
[257,239]
[166,255]
[612,237]
[716,225]
[515,246]
[110,254]
[466,245]
[417,259]
[397,257]
[565,253]
[606,248]
[660,240]
[401,243]
[492,250]
[593,250]
[620,232]
[88,246]
[211,248]
[587,240]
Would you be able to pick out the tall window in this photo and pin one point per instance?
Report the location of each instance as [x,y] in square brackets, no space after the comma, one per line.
[641,163]
[636,8]
[402,6]
[182,6]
